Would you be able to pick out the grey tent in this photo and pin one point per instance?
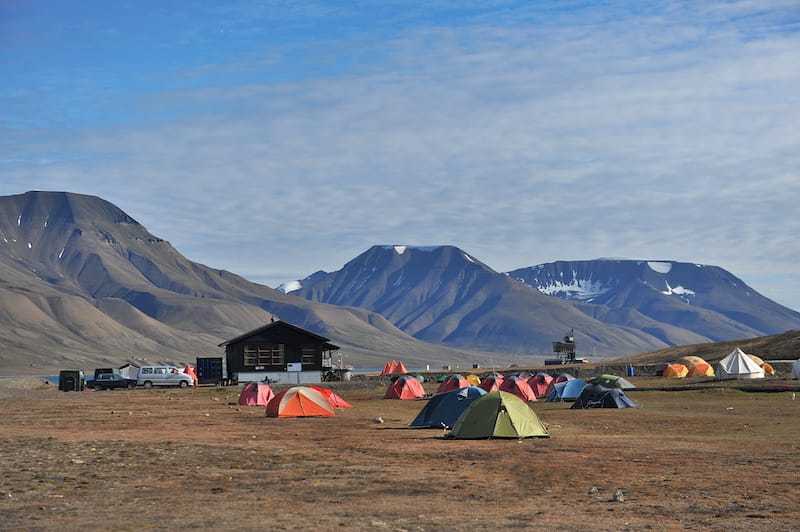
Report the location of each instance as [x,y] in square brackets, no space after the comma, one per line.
[597,396]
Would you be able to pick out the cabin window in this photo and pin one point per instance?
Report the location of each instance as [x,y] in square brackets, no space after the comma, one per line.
[263,355]
[307,354]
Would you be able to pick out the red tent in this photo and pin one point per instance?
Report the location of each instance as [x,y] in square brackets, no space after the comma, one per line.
[452,382]
[519,387]
[539,383]
[399,368]
[256,394]
[299,401]
[393,367]
[333,398]
[405,387]
[491,383]
[387,368]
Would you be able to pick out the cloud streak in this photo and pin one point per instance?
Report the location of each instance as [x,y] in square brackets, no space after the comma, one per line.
[521,134]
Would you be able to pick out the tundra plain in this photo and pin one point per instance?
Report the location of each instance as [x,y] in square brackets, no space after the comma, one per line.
[717,458]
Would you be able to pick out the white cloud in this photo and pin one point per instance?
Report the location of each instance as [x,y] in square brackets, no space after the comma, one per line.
[670,133]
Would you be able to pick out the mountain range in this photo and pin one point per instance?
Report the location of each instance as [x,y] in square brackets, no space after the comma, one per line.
[83,284]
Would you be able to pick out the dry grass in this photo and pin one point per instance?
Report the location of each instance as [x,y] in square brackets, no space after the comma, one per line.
[719,459]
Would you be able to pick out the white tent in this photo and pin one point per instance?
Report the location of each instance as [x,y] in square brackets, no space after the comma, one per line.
[738,365]
[795,370]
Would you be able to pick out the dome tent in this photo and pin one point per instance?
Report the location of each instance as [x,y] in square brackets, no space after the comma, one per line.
[444,408]
[498,415]
[405,387]
[566,390]
[256,394]
[452,382]
[596,395]
[518,386]
[613,381]
[299,401]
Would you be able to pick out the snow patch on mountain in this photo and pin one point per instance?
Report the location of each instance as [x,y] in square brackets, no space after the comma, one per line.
[289,287]
[580,290]
[677,290]
[660,267]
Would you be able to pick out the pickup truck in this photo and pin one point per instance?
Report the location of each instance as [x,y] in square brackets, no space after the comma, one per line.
[111,381]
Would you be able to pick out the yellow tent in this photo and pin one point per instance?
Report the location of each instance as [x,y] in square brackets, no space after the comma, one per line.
[473,380]
[691,360]
[701,370]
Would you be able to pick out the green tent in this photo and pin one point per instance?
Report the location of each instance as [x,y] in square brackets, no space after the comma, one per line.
[498,415]
[613,381]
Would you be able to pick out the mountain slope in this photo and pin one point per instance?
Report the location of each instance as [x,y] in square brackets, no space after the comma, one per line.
[81,283]
[706,300]
[444,295]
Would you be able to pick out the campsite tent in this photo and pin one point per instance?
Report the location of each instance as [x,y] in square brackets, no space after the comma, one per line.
[738,365]
[566,390]
[405,387]
[795,374]
[563,377]
[394,367]
[539,383]
[443,409]
[473,379]
[452,382]
[333,398]
[518,386]
[691,360]
[189,370]
[702,369]
[757,360]
[491,383]
[675,371]
[256,394]
[596,395]
[299,401]
[613,381]
[498,415]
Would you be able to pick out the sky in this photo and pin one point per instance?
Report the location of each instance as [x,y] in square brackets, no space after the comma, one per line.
[277,138]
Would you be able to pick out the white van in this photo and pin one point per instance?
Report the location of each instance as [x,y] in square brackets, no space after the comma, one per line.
[150,376]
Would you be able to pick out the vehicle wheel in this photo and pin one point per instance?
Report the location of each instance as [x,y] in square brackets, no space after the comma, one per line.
[183,384]
[148,384]
[131,386]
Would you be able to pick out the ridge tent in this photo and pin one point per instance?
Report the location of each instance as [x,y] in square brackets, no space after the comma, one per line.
[596,395]
[702,369]
[539,383]
[491,383]
[405,387]
[795,374]
[473,379]
[519,387]
[675,371]
[452,382]
[613,381]
[737,365]
[299,401]
[498,415]
[443,409]
[332,397]
[394,368]
[256,394]
[566,390]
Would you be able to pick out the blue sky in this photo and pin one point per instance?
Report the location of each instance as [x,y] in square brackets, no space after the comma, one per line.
[273,139]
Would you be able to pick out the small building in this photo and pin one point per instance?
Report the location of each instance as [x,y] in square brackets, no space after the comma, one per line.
[278,352]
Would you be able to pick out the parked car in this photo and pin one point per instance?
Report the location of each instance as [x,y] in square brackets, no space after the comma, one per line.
[111,381]
[150,376]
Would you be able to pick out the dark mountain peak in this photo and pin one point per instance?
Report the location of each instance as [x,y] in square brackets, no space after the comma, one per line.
[64,207]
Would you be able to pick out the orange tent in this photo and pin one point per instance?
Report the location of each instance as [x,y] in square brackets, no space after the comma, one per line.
[393,367]
[540,382]
[256,394]
[333,398]
[405,387]
[756,359]
[768,369]
[452,382]
[519,387]
[703,369]
[675,371]
[299,401]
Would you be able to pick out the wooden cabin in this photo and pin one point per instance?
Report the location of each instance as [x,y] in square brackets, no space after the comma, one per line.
[278,352]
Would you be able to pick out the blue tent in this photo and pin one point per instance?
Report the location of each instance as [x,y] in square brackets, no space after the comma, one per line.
[566,391]
[443,409]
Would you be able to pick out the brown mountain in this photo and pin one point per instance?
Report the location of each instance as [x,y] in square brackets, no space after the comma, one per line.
[83,284]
